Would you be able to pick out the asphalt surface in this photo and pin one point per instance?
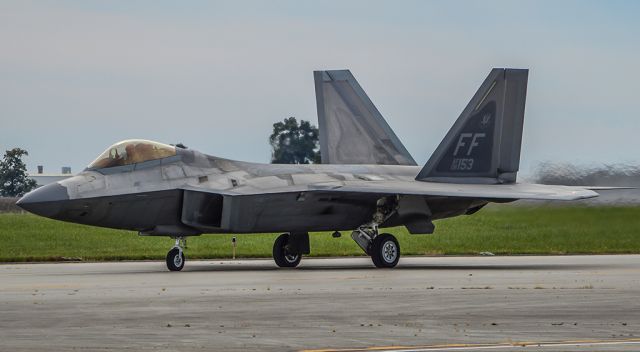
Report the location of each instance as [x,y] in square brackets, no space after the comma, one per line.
[546,303]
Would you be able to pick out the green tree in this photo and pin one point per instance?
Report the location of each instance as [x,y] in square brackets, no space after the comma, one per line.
[13,174]
[294,143]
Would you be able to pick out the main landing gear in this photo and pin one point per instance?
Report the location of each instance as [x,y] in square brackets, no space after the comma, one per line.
[175,257]
[289,248]
[384,248]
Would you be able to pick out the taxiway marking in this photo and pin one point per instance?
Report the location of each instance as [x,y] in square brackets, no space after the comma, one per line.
[472,347]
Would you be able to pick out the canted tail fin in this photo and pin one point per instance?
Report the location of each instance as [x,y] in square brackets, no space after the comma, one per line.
[352,130]
[483,146]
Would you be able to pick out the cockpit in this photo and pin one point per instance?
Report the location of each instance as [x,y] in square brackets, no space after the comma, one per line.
[132,151]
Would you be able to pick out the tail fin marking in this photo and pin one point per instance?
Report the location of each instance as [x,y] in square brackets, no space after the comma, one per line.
[483,146]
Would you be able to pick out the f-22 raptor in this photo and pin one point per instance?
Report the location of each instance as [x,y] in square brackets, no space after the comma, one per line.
[367,180]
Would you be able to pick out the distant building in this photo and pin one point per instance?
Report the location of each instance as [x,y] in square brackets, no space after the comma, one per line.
[44,179]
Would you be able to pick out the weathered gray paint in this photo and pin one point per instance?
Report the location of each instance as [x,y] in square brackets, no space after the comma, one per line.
[172,198]
[352,130]
[192,193]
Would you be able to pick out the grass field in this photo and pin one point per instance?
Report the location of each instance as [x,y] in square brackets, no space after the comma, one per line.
[497,229]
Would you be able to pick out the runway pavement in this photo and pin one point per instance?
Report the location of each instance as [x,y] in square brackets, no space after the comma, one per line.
[545,303]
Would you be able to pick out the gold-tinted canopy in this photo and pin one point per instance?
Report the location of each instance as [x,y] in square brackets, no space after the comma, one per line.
[132,151]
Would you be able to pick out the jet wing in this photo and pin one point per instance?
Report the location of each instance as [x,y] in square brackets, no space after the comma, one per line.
[437,189]
[434,189]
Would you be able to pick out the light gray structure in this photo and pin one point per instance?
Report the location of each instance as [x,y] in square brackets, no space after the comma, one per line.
[158,189]
[45,179]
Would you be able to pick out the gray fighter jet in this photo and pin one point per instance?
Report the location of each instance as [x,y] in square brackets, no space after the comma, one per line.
[367,181]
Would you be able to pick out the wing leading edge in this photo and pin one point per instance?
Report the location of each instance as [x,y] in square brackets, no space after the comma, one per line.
[434,189]
[437,189]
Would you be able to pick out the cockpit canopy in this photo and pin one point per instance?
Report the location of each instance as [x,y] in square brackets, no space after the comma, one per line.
[132,151]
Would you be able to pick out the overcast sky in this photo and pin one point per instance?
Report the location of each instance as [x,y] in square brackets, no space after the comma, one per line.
[77,76]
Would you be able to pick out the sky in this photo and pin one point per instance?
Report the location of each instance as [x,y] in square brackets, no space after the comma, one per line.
[78,76]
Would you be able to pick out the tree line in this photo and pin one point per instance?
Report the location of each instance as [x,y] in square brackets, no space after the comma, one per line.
[14,181]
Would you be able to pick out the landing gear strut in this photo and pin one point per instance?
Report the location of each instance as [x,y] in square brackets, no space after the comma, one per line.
[383,249]
[175,257]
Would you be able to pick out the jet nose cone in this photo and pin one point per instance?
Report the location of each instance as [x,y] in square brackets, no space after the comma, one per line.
[46,200]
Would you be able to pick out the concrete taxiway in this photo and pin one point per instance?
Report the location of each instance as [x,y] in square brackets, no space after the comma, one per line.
[546,303]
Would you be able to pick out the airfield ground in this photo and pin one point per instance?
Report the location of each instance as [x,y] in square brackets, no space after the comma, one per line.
[498,229]
[591,301]
[547,303]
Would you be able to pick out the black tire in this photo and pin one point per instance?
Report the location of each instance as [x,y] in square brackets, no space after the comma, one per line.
[385,251]
[175,259]
[280,255]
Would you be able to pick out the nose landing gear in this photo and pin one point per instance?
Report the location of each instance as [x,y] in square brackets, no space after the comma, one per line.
[175,257]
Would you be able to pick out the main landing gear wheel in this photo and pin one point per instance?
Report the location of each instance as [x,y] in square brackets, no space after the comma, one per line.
[283,258]
[385,251]
[175,257]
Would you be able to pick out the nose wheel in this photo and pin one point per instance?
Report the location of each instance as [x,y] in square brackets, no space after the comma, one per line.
[175,257]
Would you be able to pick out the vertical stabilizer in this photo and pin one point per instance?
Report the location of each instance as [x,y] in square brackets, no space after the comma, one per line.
[483,146]
[352,130]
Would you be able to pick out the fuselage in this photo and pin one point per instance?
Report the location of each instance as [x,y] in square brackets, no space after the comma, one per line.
[191,193]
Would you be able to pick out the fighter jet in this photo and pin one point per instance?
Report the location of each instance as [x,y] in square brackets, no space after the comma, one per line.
[367,180]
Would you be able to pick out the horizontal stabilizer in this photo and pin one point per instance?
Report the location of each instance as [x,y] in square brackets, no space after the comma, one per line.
[352,130]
